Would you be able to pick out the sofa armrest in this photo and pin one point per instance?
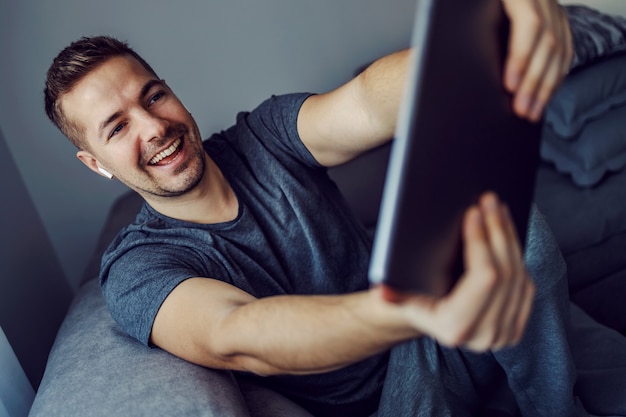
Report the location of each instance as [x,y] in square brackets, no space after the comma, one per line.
[96,370]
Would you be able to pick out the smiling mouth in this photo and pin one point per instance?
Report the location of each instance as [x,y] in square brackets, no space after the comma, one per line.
[165,156]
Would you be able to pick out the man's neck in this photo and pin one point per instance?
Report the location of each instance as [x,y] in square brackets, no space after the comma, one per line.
[211,201]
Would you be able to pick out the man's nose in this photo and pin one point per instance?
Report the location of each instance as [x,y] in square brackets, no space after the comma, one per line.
[151,126]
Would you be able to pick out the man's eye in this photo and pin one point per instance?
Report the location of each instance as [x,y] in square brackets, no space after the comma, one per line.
[117,130]
[156,97]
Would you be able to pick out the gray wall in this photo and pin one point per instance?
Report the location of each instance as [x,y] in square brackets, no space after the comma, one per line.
[219,56]
[34,294]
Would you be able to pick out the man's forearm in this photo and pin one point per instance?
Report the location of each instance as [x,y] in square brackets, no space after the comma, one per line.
[309,334]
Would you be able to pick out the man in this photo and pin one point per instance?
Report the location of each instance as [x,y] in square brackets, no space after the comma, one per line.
[246,258]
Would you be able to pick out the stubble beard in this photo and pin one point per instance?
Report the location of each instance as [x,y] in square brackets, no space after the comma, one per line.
[190,173]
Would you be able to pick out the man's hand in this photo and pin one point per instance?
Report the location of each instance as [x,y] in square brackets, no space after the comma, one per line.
[489,306]
[540,53]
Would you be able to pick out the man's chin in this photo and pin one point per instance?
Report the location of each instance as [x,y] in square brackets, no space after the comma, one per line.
[186,187]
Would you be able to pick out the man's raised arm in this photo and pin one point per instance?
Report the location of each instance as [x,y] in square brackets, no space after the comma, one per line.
[360,115]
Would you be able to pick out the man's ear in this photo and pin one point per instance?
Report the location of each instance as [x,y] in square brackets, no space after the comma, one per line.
[92,163]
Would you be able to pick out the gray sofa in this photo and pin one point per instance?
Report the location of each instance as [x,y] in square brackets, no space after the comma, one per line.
[96,370]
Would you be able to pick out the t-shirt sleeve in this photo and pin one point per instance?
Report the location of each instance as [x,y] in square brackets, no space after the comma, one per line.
[138,280]
[275,122]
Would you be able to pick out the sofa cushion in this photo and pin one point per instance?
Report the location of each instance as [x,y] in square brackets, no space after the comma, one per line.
[96,370]
[586,95]
[590,228]
[361,182]
[580,135]
[581,218]
[603,299]
[599,149]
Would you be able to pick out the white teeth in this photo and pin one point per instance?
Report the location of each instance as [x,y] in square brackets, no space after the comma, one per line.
[167,152]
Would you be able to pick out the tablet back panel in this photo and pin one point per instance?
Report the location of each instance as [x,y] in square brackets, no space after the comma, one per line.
[456,137]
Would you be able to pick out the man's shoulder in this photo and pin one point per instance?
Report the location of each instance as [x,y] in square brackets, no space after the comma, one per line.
[151,227]
[151,233]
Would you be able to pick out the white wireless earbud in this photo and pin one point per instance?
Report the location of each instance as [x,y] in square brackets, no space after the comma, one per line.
[105,173]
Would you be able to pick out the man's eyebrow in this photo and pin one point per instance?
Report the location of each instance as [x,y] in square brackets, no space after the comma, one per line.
[108,121]
[144,90]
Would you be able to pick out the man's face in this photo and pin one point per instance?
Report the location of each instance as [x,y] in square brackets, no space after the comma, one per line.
[136,128]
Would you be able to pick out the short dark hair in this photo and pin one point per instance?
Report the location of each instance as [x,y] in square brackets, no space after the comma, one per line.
[69,67]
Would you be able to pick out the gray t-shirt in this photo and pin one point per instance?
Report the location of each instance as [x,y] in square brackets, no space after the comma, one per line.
[294,234]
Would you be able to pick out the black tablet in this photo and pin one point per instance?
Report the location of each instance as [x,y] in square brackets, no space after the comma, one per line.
[456,137]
